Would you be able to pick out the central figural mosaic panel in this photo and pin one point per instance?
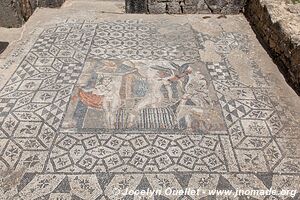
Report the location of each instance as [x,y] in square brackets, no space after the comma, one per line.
[142,95]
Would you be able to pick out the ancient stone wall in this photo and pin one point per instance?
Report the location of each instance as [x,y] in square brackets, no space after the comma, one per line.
[9,15]
[278,26]
[13,13]
[185,6]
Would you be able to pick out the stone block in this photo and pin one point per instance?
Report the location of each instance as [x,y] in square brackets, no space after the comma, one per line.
[173,7]
[157,8]
[191,2]
[49,3]
[136,6]
[202,7]
[227,7]
[189,9]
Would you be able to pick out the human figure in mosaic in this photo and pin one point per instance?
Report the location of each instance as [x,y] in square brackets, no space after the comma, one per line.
[153,98]
[142,95]
[194,100]
[104,95]
[191,89]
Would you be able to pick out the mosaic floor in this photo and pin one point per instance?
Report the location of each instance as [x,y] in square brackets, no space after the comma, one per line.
[138,103]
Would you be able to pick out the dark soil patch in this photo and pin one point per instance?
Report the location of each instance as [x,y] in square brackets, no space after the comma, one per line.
[3,46]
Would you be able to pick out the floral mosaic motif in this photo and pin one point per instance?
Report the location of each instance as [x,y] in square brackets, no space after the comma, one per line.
[148,153]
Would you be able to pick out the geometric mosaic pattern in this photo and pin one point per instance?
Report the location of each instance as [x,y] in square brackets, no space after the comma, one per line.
[142,153]
[135,40]
[218,71]
[41,159]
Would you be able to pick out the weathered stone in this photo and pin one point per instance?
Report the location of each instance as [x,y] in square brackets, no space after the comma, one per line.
[216,5]
[294,8]
[202,7]
[193,6]
[137,6]
[49,3]
[173,7]
[191,2]
[157,8]
[277,23]
[227,7]
[189,9]
[15,13]
[9,15]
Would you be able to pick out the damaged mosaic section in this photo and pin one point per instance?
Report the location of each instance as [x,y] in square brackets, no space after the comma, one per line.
[143,95]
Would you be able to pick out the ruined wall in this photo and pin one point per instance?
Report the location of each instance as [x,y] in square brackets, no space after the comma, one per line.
[9,15]
[278,26]
[13,13]
[185,6]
